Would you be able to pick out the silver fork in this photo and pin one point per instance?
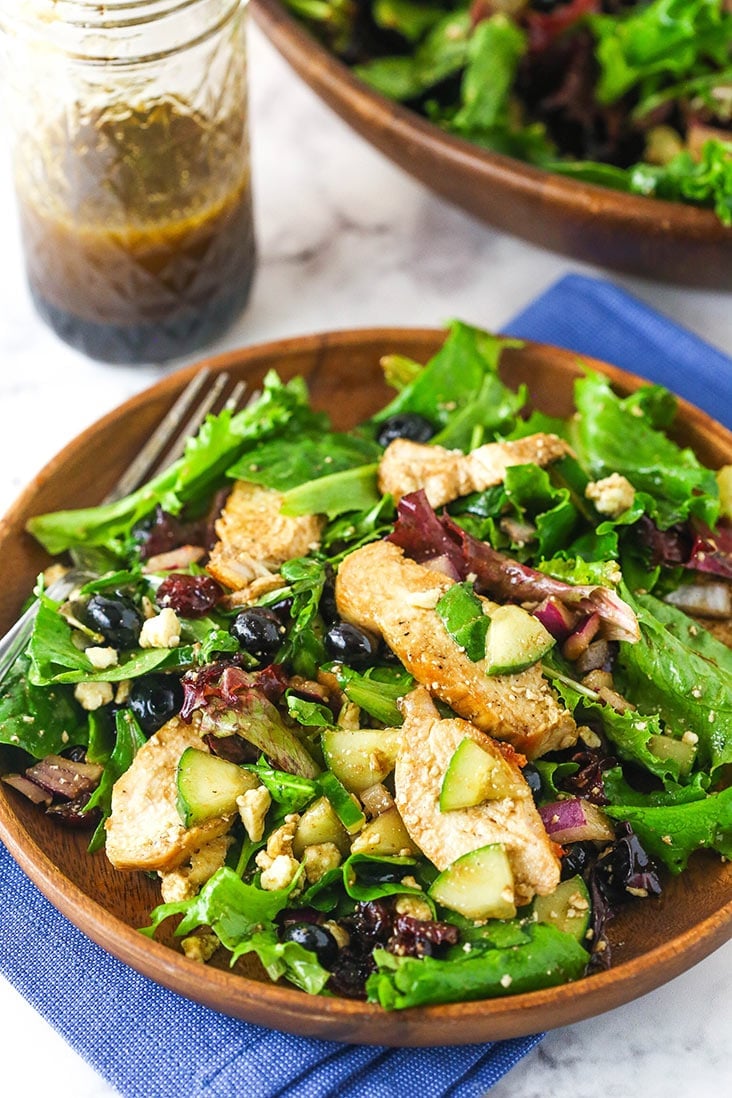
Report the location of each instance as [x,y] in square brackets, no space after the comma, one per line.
[166,444]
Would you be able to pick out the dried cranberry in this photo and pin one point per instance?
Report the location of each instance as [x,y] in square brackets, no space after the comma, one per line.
[420,938]
[190,596]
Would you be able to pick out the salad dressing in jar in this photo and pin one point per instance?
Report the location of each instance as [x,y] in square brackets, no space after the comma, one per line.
[134,190]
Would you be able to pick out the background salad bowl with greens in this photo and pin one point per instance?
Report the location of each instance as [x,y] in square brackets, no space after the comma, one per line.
[596,128]
[672,673]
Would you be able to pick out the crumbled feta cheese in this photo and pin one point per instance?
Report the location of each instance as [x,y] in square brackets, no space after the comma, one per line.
[185,881]
[691,738]
[162,631]
[415,907]
[200,947]
[506,980]
[101,658]
[611,495]
[122,692]
[280,841]
[253,806]
[318,859]
[280,873]
[93,695]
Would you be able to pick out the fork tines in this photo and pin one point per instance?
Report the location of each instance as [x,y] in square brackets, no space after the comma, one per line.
[200,396]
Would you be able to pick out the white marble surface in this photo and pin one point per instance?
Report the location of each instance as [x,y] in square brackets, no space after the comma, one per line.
[347,240]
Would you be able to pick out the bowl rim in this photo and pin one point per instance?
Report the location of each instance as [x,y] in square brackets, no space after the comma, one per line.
[658,217]
[287,1008]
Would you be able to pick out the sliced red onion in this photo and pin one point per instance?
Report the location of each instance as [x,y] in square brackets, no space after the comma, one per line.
[712,550]
[28,788]
[64,777]
[708,600]
[556,618]
[424,536]
[575,820]
[578,642]
[73,814]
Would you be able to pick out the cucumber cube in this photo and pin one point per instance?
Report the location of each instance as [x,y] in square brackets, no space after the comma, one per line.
[208,786]
[473,776]
[568,908]
[479,885]
[515,640]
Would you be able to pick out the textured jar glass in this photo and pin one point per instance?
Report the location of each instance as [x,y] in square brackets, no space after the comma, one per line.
[132,173]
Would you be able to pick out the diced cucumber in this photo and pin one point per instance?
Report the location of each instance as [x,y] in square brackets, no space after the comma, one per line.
[319,824]
[474,776]
[515,640]
[567,908]
[360,757]
[479,885]
[208,786]
[385,835]
[346,808]
[724,480]
[672,750]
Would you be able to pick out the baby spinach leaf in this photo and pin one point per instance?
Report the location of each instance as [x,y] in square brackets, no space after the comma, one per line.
[38,720]
[284,464]
[546,957]
[461,612]
[129,738]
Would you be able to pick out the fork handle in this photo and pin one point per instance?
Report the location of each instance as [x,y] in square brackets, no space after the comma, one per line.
[15,641]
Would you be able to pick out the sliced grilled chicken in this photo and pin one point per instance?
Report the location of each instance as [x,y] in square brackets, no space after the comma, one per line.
[427,746]
[380,589]
[448,474]
[255,537]
[144,830]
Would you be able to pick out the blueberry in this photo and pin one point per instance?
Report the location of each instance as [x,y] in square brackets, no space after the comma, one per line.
[409,425]
[117,619]
[154,699]
[580,858]
[314,938]
[328,608]
[532,778]
[351,645]
[259,632]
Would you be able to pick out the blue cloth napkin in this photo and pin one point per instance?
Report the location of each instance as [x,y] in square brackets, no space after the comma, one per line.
[150,1043]
[597,318]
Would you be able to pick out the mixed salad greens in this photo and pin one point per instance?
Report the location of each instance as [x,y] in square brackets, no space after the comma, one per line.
[636,96]
[301,745]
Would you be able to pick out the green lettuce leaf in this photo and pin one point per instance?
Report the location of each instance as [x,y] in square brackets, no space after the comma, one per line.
[218,444]
[691,692]
[672,833]
[459,389]
[674,483]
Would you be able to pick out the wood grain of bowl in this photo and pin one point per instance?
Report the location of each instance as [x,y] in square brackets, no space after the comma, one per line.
[665,241]
[653,940]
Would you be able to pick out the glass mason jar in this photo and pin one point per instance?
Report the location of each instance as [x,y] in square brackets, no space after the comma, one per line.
[131,164]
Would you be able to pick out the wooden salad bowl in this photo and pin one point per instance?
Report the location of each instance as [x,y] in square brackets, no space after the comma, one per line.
[665,241]
[652,940]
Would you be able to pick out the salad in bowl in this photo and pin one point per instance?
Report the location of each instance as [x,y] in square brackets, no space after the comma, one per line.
[407,712]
